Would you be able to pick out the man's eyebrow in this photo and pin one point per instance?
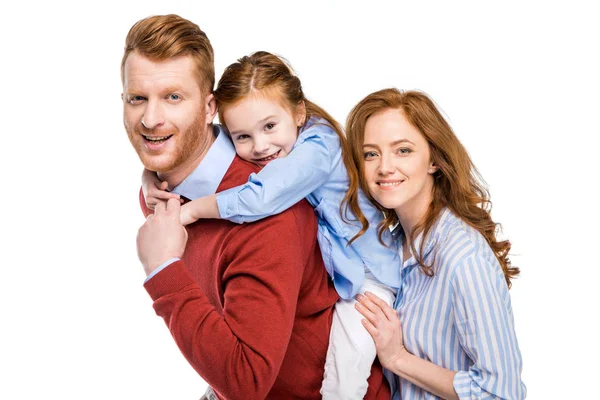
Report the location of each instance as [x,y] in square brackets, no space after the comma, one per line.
[171,89]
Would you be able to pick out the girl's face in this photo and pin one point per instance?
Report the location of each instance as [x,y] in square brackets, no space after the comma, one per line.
[398,167]
[261,129]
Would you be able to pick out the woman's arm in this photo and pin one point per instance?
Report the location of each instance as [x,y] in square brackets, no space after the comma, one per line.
[383,324]
[485,326]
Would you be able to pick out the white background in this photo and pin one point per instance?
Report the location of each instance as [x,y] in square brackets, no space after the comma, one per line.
[519,83]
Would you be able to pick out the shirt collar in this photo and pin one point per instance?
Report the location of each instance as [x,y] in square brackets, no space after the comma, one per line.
[207,176]
[431,240]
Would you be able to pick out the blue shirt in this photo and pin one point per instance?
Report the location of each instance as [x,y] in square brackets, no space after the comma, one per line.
[314,170]
[461,318]
[207,176]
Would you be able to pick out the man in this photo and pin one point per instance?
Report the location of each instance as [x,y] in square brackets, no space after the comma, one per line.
[250,305]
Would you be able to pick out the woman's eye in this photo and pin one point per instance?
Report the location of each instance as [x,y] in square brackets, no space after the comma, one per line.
[368,155]
[404,150]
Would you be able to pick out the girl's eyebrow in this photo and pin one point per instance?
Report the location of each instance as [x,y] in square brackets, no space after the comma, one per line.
[265,119]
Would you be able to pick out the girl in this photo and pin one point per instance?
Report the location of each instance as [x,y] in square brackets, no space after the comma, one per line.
[301,148]
[452,334]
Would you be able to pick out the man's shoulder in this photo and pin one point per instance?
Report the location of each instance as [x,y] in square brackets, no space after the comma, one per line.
[238,174]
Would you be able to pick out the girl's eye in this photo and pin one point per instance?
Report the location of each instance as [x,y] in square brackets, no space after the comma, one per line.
[241,137]
[269,126]
[369,155]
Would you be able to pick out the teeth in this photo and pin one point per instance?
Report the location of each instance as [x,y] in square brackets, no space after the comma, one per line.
[269,157]
[389,184]
[156,138]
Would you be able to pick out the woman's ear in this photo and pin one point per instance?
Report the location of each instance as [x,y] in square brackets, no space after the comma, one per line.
[300,113]
[432,169]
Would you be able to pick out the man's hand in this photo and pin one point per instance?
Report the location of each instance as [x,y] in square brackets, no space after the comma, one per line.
[155,191]
[162,236]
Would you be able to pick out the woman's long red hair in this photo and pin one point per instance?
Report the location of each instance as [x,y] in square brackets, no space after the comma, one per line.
[457,183]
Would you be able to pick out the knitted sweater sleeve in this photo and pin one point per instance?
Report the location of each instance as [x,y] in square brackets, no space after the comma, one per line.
[239,352]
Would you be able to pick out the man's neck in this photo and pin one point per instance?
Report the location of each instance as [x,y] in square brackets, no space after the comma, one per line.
[182,171]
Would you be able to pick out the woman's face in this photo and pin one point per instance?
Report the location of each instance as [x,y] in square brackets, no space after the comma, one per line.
[398,167]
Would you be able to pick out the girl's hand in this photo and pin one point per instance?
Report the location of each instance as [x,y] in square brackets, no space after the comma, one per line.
[203,207]
[384,326]
[186,215]
[155,191]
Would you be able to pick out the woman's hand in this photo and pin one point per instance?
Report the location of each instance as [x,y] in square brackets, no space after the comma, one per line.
[384,326]
[155,191]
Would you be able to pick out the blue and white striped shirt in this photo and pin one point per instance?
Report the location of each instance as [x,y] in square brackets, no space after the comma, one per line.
[461,318]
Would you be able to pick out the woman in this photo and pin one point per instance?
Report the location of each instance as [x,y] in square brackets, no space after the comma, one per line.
[452,333]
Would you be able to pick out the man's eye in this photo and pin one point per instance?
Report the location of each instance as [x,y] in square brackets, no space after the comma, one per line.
[136,99]
[174,97]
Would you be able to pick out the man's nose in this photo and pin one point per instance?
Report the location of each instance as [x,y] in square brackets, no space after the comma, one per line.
[153,115]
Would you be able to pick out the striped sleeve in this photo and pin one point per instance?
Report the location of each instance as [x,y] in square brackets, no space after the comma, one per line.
[485,327]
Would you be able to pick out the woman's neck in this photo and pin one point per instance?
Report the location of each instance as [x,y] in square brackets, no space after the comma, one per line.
[410,215]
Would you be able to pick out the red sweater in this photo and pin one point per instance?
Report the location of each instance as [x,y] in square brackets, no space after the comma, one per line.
[250,306]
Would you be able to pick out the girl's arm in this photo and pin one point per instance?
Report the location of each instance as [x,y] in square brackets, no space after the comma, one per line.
[278,186]
[383,324]
[204,207]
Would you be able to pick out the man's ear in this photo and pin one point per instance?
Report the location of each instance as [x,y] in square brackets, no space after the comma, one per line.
[210,108]
[300,113]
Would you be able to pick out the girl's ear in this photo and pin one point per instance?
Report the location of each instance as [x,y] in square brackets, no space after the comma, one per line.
[300,113]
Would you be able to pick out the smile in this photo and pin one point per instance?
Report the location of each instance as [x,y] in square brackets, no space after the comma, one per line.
[268,158]
[156,139]
[389,184]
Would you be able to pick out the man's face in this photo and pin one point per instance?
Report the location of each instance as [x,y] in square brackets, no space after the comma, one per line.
[165,111]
